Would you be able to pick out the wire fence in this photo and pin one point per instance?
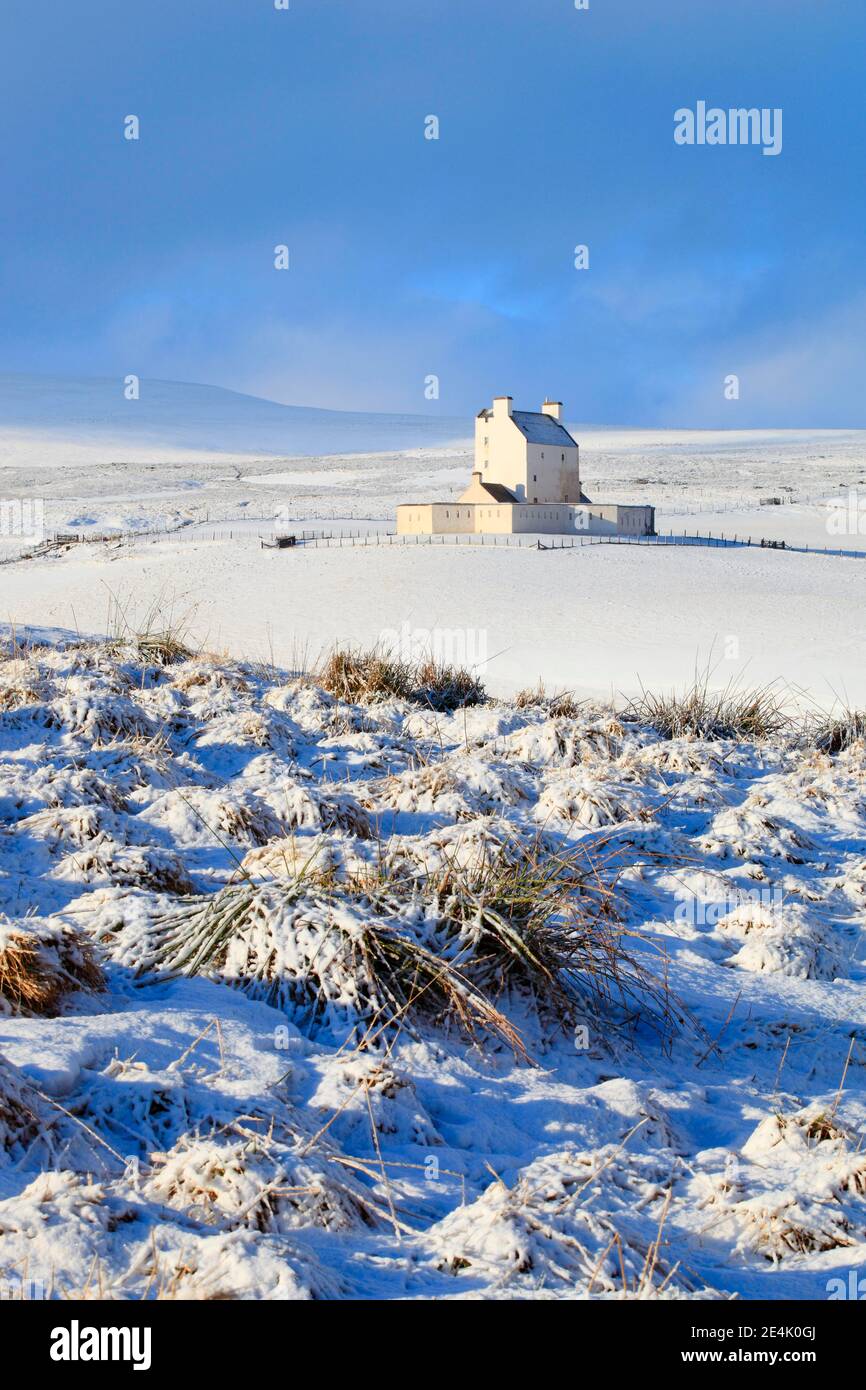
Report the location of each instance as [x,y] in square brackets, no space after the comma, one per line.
[711,503]
[259,534]
[556,542]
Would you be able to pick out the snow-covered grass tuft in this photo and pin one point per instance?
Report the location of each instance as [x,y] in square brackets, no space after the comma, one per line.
[558,704]
[356,675]
[573,1224]
[242,1177]
[41,964]
[22,1118]
[703,712]
[835,732]
[784,940]
[297,949]
[397,942]
[158,636]
[809,1182]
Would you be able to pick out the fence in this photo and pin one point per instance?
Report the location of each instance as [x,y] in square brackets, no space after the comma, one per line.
[242,529]
[555,542]
[712,503]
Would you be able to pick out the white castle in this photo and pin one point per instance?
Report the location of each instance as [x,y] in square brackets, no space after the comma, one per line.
[526,478]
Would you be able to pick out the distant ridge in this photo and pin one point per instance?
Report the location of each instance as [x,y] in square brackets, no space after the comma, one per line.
[176,419]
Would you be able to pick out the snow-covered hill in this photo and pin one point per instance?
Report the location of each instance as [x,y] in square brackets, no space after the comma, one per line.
[66,420]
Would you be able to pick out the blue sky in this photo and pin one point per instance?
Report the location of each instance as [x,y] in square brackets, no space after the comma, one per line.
[412,257]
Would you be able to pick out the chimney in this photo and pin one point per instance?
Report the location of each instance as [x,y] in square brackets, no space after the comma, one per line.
[553,408]
[502,405]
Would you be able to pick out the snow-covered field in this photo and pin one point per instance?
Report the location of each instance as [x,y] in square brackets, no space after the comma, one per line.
[598,620]
[348,1078]
[388,1058]
[182,453]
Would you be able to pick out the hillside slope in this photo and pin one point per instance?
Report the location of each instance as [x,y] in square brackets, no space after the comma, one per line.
[70,420]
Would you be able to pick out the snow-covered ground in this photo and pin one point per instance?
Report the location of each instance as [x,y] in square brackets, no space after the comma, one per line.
[242,1106]
[207,1131]
[182,453]
[598,620]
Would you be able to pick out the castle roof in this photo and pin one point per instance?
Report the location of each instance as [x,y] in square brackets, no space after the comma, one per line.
[539,428]
[498,492]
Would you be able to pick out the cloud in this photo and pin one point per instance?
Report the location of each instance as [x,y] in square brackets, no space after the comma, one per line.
[810,373]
